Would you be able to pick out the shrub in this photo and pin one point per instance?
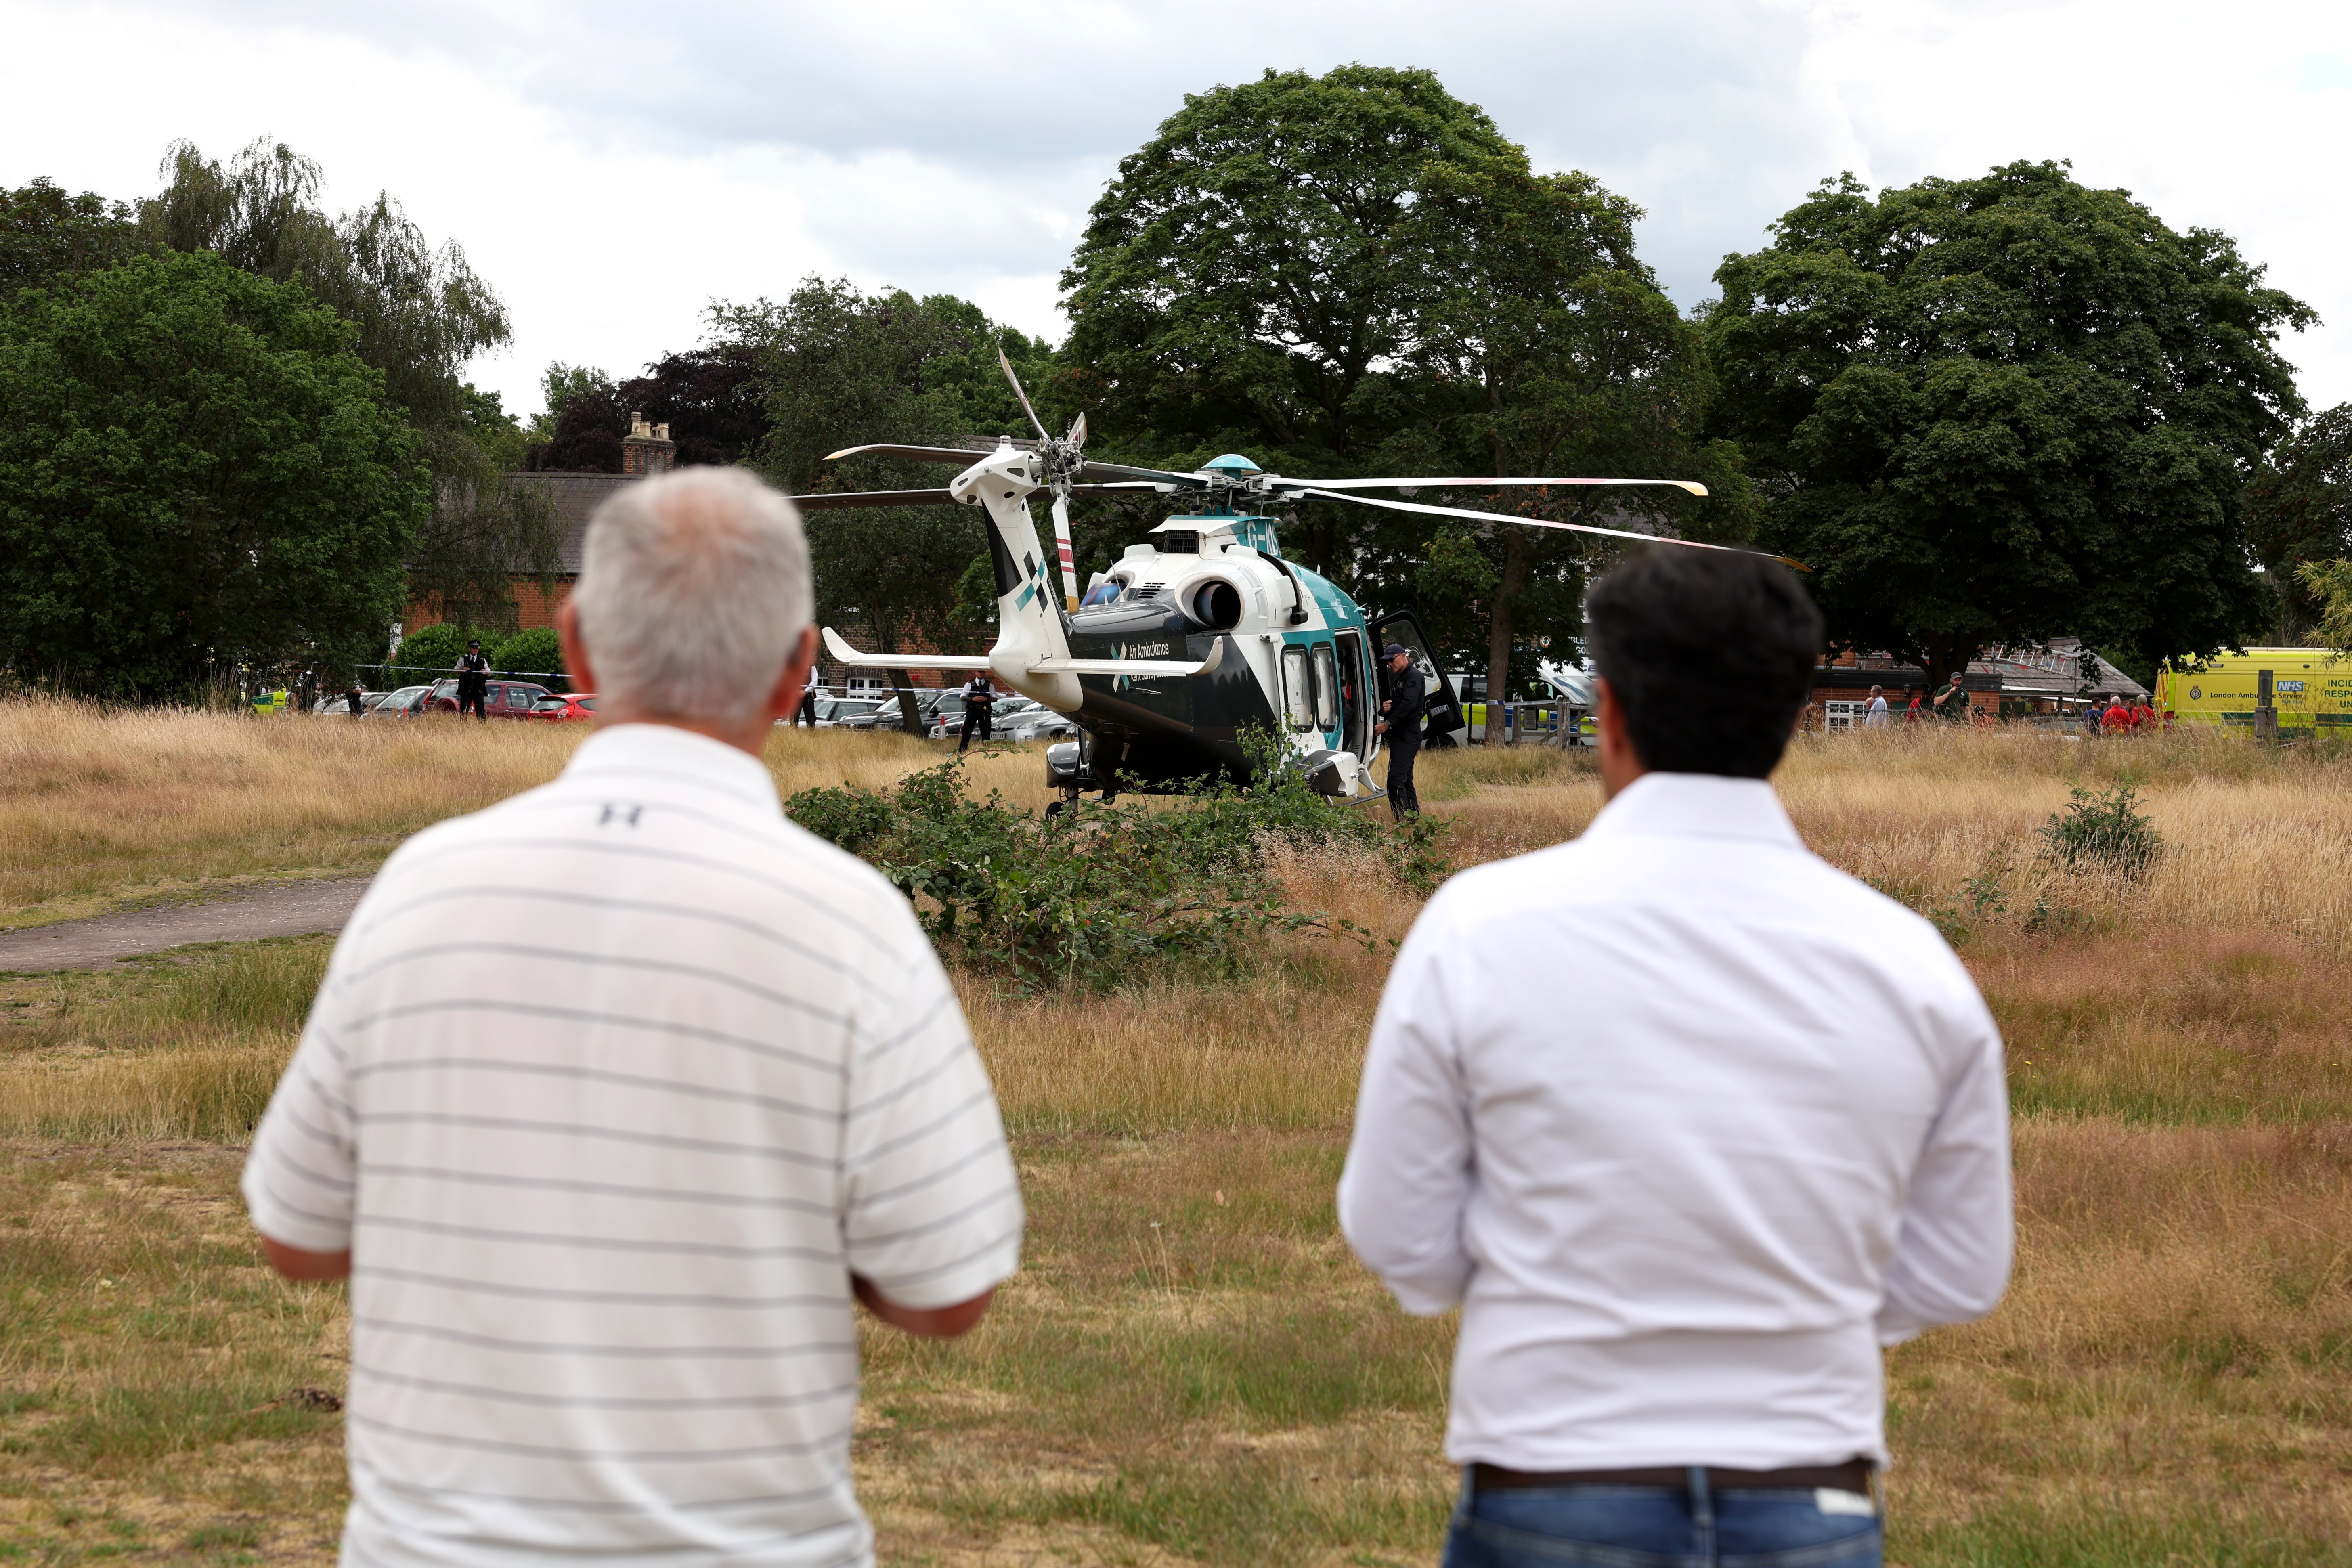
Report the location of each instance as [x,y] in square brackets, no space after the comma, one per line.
[2104,832]
[532,654]
[1096,894]
[426,650]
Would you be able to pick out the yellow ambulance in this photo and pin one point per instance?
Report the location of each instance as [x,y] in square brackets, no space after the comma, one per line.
[2310,687]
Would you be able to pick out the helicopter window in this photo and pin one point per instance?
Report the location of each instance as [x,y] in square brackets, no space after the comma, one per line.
[1326,688]
[1297,699]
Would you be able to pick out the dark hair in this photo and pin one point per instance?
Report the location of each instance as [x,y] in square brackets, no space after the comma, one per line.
[1710,654]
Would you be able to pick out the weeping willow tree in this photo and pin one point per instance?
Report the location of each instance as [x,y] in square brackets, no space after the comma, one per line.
[419,313]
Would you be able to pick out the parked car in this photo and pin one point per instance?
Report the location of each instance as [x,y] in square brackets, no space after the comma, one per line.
[831,712]
[405,703]
[1034,722]
[928,702]
[1014,718]
[502,699]
[562,706]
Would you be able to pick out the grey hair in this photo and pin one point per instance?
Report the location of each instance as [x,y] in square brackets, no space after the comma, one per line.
[694,594]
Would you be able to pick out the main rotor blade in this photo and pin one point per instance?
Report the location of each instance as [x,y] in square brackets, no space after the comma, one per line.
[1077,437]
[1005,360]
[1092,472]
[1545,522]
[872,498]
[962,457]
[1693,486]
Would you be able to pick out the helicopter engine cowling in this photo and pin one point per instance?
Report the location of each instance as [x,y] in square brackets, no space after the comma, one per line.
[1215,605]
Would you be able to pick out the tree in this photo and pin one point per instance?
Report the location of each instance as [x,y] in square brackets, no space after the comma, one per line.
[2299,510]
[47,236]
[1256,274]
[1995,411]
[1359,274]
[418,313]
[1550,349]
[842,368]
[197,467]
[711,398]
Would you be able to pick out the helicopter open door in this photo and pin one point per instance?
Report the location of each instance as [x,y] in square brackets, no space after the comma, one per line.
[1446,725]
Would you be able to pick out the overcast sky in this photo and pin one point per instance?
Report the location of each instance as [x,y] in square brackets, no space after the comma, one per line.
[613,169]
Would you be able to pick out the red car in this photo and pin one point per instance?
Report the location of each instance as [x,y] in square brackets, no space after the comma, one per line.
[501,699]
[560,707]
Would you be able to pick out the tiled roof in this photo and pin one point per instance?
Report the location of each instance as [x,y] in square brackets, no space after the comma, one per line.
[576,497]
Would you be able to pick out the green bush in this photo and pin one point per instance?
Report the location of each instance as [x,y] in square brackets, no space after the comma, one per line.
[426,651]
[2103,832]
[534,654]
[1098,894]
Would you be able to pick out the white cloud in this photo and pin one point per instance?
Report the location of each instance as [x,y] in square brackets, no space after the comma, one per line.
[614,168]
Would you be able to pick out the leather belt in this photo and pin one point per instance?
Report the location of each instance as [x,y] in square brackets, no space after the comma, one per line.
[1853,1476]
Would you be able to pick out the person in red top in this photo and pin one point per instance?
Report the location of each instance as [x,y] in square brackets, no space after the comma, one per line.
[1911,712]
[2142,717]
[2116,721]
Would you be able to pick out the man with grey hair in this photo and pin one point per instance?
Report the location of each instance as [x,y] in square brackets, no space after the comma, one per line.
[606,1173]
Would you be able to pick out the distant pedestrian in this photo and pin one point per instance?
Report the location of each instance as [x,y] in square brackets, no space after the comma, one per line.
[979,710]
[805,714]
[356,700]
[1874,716]
[1952,702]
[2144,720]
[473,682]
[1681,1218]
[1911,705]
[1403,711]
[2116,720]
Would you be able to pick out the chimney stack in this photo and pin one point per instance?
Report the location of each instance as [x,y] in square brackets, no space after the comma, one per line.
[647,449]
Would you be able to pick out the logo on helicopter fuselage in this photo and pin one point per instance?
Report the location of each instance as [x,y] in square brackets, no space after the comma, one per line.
[1143,650]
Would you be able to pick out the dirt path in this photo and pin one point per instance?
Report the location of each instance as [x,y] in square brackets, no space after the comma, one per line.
[282,909]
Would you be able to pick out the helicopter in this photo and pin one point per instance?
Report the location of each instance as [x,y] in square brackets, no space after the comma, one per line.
[1201,636]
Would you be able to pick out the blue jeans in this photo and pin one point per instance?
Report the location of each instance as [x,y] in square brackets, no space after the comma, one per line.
[1655,1527]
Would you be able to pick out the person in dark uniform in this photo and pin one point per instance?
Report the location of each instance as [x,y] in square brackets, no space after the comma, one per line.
[1952,702]
[978,709]
[1408,699]
[355,700]
[806,712]
[473,682]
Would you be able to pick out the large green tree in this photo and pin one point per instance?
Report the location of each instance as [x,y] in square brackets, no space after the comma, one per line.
[418,313]
[1999,410]
[1548,348]
[1357,274]
[47,236]
[842,368]
[1255,276]
[2298,511]
[197,469]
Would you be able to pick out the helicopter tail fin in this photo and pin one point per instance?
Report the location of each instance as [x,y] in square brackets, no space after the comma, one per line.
[1030,619]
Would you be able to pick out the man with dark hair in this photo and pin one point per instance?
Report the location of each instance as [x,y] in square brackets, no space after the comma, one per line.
[473,682]
[1406,704]
[1751,1127]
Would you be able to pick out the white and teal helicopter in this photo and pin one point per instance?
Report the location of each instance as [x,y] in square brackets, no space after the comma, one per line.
[1194,639]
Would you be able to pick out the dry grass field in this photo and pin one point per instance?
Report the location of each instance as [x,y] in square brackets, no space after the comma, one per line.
[1191,1368]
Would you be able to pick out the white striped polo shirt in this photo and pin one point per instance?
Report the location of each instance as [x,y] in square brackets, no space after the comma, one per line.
[609,1089]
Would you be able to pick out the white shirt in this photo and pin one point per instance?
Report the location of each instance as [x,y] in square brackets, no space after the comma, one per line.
[1874,716]
[1688,1123]
[609,1089]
